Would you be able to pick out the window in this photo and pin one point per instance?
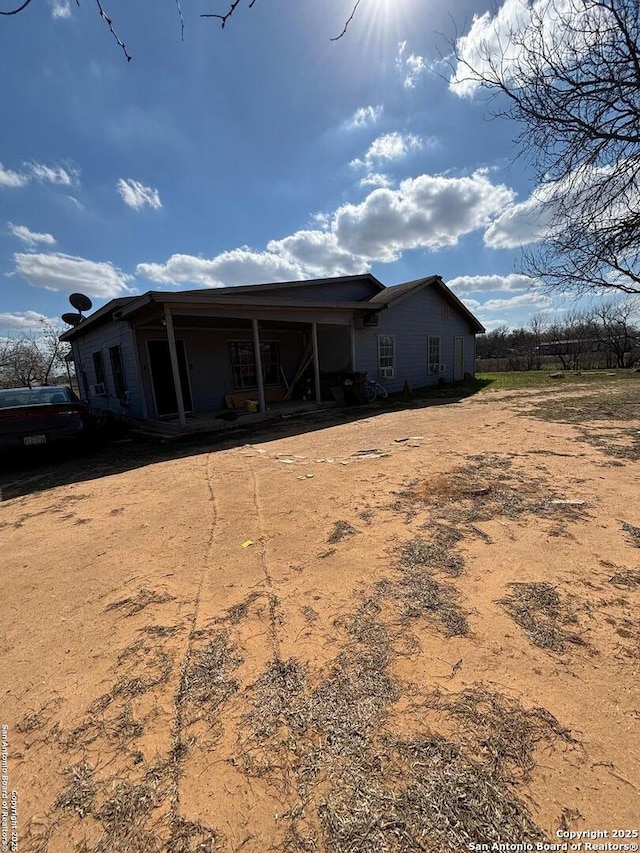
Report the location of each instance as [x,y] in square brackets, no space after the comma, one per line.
[243,364]
[98,367]
[434,354]
[386,356]
[117,371]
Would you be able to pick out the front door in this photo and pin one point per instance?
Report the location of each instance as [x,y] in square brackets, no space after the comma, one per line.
[164,390]
[458,359]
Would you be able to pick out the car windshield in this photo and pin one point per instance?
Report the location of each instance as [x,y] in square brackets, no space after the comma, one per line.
[35,396]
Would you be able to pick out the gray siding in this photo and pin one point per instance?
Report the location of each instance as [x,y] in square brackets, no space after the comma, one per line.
[412,321]
[101,339]
[209,362]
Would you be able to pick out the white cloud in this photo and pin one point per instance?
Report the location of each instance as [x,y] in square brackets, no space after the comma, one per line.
[389,146]
[30,237]
[490,283]
[412,66]
[60,9]
[525,300]
[364,117]
[74,201]
[12,179]
[499,43]
[136,195]
[550,206]
[67,177]
[427,212]
[317,253]
[24,322]
[67,273]
[238,266]
[375,179]
[522,223]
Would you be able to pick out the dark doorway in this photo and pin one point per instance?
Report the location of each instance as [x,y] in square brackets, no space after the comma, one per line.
[164,390]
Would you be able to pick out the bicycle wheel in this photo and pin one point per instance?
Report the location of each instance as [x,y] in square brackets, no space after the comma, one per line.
[381,391]
[370,392]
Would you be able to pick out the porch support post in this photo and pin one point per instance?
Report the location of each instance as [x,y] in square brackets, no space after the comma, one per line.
[353,348]
[316,361]
[259,377]
[175,370]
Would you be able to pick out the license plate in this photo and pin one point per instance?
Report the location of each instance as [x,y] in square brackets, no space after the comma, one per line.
[35,439]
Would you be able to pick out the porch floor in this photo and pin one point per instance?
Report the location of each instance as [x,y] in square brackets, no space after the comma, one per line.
[212,420]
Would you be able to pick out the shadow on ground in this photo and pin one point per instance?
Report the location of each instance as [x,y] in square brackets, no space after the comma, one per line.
[27,474]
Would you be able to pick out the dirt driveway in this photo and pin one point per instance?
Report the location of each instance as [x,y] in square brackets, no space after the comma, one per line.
[412,631]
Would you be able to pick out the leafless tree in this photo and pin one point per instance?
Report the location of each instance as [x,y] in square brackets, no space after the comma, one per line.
[569,73]
[32,359]
[618,336]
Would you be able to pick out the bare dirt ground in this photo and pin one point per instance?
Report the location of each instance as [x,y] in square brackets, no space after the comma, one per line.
[412,631]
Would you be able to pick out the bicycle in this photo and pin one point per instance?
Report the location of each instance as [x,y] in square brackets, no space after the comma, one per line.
[373,390]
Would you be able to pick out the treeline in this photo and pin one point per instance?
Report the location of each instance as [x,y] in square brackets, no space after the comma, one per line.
[607,336]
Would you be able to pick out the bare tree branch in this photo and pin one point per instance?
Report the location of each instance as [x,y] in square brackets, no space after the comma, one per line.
[109,23]
[19,9]
[570,76]
[181,20]
[346,26]
[224,18]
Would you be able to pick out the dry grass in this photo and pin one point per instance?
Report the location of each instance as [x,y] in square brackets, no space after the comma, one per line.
[309,613]
[538,610]
[617,402]
[162,631]
[632,532]
[341,529]
[435,554]
[240,611]
[80,793]
[134,604]
[420,593]
[498,730]
[126,816]
[627,578]
[36,720]
[487,487]
[361,787]
[206,682]
[121,730]
[420,795]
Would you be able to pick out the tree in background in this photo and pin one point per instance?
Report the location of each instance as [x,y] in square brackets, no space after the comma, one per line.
[33,359]
[607,335]
[568,72]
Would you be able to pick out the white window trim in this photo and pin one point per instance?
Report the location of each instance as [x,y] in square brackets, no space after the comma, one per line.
[388,371]
[436,370]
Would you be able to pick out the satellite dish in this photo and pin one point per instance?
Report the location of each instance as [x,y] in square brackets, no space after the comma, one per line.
[72,319]
[80,302]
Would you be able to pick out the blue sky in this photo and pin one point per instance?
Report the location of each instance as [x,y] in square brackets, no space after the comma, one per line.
[261,152]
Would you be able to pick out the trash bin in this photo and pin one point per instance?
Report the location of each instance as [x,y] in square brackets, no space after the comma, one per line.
[353,386]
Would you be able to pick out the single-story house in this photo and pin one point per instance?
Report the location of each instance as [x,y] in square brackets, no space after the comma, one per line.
[177,355]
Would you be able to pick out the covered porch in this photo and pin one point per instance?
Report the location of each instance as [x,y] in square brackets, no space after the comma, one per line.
[202,357]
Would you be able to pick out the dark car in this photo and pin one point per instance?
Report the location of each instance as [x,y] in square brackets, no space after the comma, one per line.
[37,417]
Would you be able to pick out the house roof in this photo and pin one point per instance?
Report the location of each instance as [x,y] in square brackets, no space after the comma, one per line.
[103,315]
[271,296]
[276,286]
